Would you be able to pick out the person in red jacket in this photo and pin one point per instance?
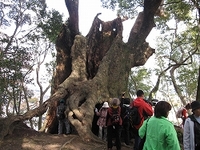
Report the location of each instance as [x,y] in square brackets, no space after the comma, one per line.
[145,110]
[185,113]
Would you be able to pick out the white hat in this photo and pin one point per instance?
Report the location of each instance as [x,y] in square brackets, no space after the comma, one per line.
[105,105]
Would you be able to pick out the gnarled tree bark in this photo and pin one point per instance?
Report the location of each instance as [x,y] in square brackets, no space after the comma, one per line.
[93,68]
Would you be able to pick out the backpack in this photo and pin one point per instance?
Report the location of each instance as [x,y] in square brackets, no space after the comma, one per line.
[60,112]
[179,113]
[115,117]
[134,116]
[125,106]
[126,113]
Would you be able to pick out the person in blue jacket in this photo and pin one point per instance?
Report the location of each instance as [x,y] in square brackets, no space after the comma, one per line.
[160,132]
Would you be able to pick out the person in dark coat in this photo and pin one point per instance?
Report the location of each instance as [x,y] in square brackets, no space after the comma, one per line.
[62,119]
[125,104]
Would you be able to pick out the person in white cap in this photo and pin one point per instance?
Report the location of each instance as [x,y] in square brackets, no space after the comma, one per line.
[102,113]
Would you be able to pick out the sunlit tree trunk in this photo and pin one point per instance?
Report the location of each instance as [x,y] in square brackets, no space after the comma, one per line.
[198,87]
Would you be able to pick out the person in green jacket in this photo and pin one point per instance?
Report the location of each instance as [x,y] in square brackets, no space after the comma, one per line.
[160,132]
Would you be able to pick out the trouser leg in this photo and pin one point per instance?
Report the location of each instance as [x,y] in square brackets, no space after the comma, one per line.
[67,126]
[109,136]
[100,132]
[118,137]
[137,141]
[104,133]
[126,133]
[60,126]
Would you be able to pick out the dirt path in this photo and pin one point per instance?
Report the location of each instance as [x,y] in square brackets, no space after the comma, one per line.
[27,139]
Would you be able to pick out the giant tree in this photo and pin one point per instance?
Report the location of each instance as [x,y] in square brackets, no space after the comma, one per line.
[96,66]
[92,68]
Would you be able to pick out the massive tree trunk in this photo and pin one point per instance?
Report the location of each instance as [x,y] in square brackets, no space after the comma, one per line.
[198,87]
[94,68]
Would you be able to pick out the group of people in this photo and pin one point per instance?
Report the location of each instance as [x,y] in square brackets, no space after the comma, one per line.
[114,130]
[158,131]
[191,125]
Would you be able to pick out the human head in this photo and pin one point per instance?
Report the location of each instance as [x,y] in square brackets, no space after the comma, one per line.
[115,102]
[105,105]
[188,106]
[62,101]
[162,108]
[195,105]
[140,93]
[126,101]
[123,94]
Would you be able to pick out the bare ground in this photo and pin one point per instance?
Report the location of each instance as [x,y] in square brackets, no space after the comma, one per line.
[28,139]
